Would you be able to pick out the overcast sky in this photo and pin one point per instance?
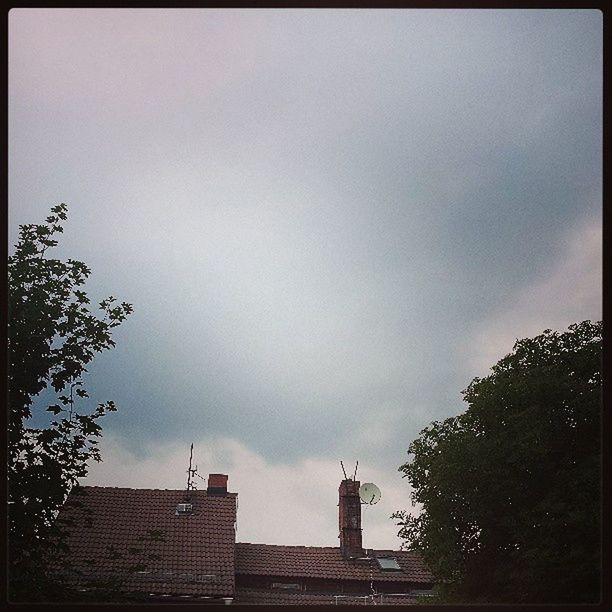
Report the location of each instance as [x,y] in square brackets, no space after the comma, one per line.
[328,222]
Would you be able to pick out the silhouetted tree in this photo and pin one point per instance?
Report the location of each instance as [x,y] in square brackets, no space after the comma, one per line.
[510,489]
[53,335]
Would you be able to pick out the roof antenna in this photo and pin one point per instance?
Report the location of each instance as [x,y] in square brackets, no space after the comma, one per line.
[342,465]
[191,471]
[355,474]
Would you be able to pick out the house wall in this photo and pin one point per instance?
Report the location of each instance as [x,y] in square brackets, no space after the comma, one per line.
[324,585]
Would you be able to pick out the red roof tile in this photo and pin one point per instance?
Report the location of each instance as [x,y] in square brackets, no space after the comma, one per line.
[326,562]
[181,555]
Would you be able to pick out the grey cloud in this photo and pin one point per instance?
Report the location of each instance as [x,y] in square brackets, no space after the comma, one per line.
[310,210]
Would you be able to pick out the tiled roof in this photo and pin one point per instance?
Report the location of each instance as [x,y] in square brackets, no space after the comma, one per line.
[180,555]
[245,595]
[325,562]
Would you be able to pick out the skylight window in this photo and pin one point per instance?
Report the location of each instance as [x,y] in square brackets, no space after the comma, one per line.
[388,564]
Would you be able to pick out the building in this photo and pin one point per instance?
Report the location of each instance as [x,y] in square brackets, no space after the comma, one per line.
[168,545]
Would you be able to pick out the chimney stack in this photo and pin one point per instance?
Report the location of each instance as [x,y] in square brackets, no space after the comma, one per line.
[350,519]
[217,484]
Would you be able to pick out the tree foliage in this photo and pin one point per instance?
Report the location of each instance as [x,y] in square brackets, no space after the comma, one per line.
[53,336]
[510,490]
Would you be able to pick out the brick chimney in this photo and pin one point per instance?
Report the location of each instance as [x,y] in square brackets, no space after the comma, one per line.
[217,484]
[350,519]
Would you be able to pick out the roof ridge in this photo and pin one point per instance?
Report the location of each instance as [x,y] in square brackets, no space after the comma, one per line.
[302,546]
[286,545]
[125,488]
[148,489]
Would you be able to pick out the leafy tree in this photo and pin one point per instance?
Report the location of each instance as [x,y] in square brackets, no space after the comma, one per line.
[510,490]
[53,335]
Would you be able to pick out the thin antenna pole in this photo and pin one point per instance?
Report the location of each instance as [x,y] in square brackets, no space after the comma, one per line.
[189,471]
[342,465]
[363,530]
[355,474]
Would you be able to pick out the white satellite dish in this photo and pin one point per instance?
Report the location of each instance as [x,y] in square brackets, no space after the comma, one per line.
[369,493]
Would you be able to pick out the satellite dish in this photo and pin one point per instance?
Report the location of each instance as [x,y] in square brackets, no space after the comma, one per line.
[369,493]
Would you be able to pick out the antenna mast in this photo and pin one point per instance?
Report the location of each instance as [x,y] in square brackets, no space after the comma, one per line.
[191,471]
[354,473]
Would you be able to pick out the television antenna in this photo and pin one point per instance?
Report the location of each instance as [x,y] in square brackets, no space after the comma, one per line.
[354,477]
[191,472]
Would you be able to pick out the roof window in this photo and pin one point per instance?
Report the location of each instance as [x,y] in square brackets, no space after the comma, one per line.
[184,508]
[388,564]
